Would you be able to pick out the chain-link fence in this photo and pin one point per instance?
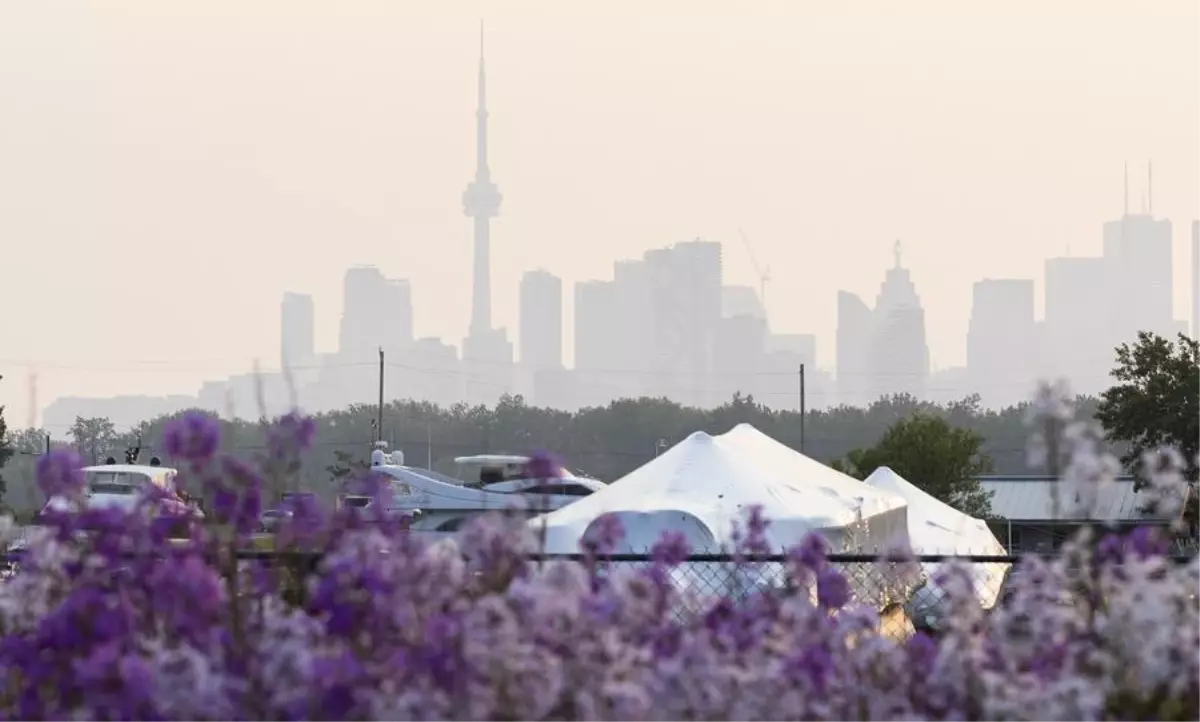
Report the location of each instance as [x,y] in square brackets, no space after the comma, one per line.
[905,592]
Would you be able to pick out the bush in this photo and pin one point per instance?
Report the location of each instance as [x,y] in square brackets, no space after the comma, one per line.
[121,624]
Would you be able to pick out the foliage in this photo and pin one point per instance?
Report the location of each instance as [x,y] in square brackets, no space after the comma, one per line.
[6,452]
[605,442]
[344,465]
[943,460]
[1156,400]
[390,627]
[95,438]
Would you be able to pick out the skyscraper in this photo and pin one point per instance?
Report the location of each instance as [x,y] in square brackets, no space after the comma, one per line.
[899,353]
[1077,334]
[541,320]
[296,345]
[1196,279]
[1002,353]
[855,327]
[1137,250]
[361,331]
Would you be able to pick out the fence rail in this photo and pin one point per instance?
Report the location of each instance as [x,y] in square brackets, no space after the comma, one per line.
[899,588]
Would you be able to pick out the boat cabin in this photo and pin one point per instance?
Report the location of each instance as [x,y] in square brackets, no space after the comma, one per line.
[487,469]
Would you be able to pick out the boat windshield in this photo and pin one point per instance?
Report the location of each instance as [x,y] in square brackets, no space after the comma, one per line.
[115,482]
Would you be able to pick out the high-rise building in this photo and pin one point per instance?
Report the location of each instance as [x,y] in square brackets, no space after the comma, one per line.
[296,347]
[1196,279]
[1078,335]
[361,330]
[685,294]
[1002,352]
[899,353]
[541,320]
[855,329]
[396,315]
[598,336]
[1137,249]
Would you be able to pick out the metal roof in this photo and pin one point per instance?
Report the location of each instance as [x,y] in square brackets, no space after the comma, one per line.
[1032,499]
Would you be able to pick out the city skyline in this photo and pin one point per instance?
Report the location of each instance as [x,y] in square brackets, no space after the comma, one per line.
[800,285]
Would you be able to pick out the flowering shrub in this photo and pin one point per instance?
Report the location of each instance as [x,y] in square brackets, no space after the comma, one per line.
[118,623]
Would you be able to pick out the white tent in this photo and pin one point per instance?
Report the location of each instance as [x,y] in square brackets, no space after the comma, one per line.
[935,527]
[703,484]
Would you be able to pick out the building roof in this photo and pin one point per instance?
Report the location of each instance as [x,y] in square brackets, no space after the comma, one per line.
[1031,498]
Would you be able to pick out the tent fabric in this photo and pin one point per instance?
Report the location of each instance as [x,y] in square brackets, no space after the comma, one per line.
[935,527]
[883,512]
[704,484]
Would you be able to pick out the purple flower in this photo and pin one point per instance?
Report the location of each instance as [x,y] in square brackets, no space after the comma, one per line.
[833,591]
[58,474]
[292,433]
[671,549]
[193,437]
[603,535]
[543,465]
[810,553]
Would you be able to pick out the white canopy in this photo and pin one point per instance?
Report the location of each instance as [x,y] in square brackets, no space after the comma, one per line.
[703,484]
[935,527]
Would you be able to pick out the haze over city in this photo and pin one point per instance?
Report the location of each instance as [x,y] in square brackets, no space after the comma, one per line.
[169,171]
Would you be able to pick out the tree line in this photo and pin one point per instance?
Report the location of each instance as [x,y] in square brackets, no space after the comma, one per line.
[1153,401]
[603,442]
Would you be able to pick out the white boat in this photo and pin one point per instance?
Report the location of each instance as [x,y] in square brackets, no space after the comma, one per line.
[488,482]
[122,485]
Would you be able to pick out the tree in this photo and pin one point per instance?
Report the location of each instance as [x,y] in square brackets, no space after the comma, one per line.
[944,461]
[1156,400]
[344,465]
[6,450]
[94,437]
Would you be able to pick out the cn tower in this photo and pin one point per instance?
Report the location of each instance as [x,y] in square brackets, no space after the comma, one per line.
[481,201]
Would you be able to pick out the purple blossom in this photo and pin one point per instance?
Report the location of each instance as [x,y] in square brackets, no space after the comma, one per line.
[192,437]
[543,465]
[671,549]
[603,535]
[833,591]
[108,619]
[59,475]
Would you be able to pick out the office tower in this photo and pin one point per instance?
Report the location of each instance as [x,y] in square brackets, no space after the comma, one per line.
[361,331]
[1002,353]
[1196,279]
[1078,334]
[685,293]
[899,354]
[541,320]
[855,328]
[737,355]
[1137,249]
[598,336]
[296,346]
[396,315]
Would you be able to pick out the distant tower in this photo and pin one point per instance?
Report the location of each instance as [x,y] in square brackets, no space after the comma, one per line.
[481,201]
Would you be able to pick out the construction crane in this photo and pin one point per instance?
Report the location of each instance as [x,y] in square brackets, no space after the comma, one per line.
[764,274]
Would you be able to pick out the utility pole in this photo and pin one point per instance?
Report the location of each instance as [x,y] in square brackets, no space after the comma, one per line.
[379,416]
[802,408]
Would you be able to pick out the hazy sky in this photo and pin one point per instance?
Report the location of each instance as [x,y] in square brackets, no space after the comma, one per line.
[168,169]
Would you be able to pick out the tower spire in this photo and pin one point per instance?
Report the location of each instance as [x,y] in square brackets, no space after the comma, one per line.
[481,201]
[896,252]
